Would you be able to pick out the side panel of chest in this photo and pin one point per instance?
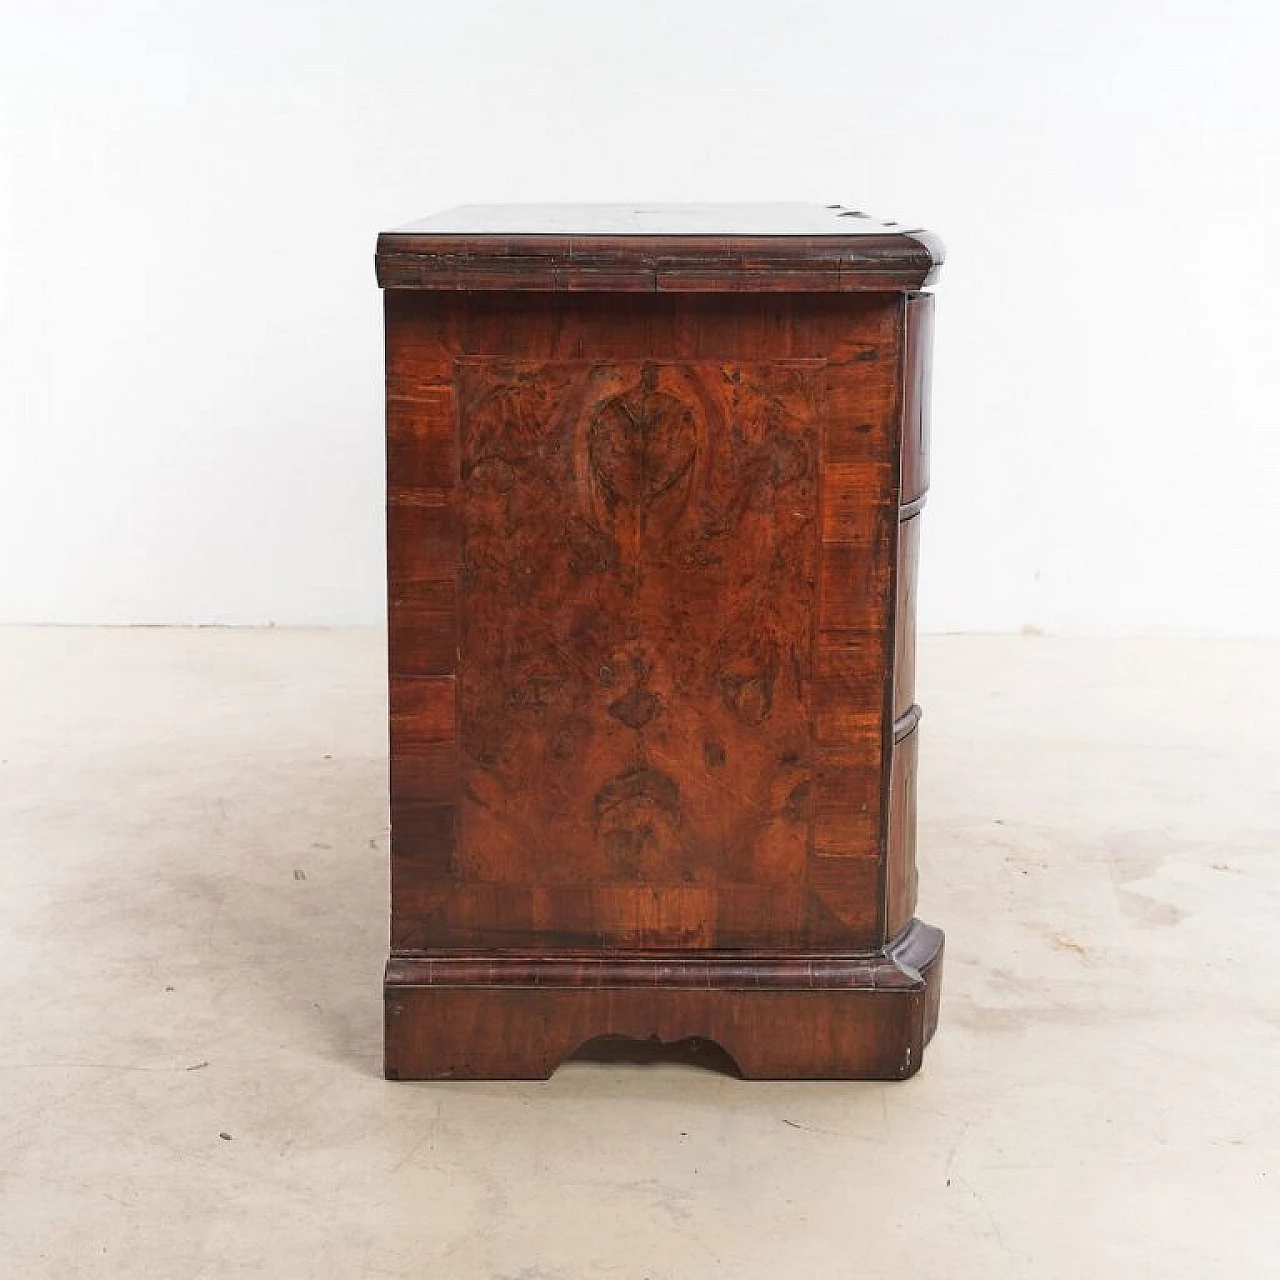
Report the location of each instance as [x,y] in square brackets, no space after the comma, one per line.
[640,561]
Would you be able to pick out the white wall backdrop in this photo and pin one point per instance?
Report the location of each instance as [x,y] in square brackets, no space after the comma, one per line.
[190,333]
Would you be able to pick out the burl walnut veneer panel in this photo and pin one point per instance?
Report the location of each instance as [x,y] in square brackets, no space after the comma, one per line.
[651,621]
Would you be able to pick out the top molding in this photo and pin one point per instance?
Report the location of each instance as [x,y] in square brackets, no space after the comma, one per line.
[664,248]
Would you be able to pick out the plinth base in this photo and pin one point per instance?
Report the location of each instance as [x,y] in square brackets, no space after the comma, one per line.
[502,1016]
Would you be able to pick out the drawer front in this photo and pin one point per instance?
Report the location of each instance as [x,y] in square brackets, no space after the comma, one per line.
[916,398]
[900,888]
[904,659]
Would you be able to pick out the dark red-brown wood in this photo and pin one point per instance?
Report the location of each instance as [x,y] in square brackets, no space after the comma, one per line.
[651,659]
[658,249]
[778,1017]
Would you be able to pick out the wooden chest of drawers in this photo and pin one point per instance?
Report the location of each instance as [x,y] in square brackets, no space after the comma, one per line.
[653,483]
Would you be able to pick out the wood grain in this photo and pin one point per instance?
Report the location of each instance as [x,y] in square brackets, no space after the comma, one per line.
[638,554]
[664,587]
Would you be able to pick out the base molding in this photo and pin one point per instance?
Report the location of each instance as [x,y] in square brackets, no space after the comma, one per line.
[489,1016]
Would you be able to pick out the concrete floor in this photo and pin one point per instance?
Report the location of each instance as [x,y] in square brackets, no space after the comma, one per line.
[192,838]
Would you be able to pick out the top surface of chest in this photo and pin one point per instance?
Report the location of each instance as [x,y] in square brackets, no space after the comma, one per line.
[726,220]
[657,248]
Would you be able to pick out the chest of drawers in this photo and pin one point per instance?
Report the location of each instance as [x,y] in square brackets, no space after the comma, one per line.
[653,487]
